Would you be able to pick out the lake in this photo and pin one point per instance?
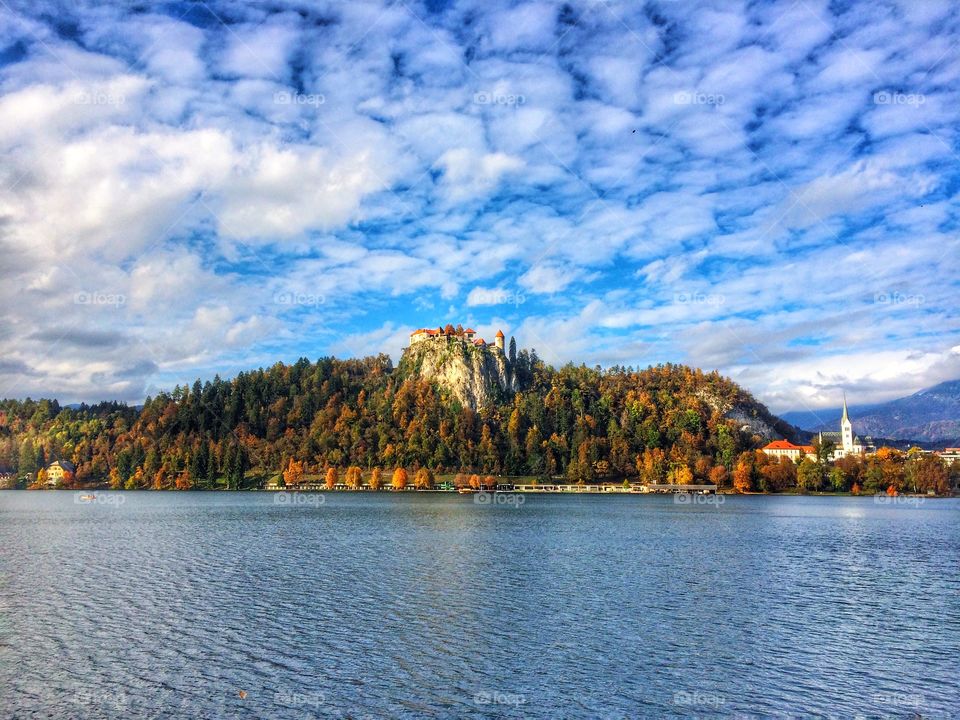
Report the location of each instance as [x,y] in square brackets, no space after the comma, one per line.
[410,605]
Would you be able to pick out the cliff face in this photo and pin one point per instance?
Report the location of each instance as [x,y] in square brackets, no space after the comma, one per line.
[752,417]
[477,377]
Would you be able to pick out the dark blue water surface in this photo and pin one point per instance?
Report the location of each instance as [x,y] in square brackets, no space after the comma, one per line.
[426,605]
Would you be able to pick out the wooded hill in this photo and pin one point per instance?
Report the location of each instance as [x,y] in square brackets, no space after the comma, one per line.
[664,422]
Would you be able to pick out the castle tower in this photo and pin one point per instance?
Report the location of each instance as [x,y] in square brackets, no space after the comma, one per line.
[500,340]
[846,428]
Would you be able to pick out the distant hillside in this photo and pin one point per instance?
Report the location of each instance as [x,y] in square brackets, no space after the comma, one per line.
[931,415]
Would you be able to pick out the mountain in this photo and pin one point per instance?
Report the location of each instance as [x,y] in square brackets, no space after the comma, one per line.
[931,415]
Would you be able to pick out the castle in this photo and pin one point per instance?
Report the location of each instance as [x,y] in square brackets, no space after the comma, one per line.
[459,333]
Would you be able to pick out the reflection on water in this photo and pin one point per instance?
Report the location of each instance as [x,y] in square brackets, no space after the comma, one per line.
[423,605]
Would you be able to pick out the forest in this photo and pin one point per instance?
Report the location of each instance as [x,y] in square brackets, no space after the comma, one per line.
[660,424]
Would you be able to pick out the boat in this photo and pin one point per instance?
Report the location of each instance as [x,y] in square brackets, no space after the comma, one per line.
[466,491]
[88,497]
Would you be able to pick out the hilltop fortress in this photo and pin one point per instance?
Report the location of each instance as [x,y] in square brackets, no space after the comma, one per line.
[458,333]
[477,373]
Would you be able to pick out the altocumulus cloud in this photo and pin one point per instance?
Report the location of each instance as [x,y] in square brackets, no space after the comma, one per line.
[198,187]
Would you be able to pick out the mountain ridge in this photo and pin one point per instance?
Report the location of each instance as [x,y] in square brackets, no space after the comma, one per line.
[928,415]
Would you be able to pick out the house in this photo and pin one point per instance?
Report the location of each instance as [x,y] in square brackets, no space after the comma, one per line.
[455,333]
[58,469]
[785,448]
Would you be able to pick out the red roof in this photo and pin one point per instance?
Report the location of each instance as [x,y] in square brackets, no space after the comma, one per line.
[499,333]
[480,341]
[469,330]
[781,445]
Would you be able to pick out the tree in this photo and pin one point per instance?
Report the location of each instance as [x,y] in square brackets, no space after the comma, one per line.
[718,475]
[489,483]
[681,475]
[399,479]
[930,473]
[331,478]
[184,481]
[475,482]
[742,477]
[513,350]
[838,479]
[423,480]
[354,477]
[293,474]
[808,475]
[376,479]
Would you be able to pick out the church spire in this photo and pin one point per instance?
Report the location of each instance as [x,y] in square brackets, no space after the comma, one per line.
[844,418]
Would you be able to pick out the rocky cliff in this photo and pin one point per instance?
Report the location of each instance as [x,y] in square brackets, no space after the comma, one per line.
[477,377]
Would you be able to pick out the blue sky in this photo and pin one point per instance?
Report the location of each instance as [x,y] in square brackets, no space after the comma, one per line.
[768,189]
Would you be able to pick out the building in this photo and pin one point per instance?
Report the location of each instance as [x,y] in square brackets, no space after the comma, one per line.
[58,469]
[785,448]
[949,455]
[455,333]
[846,442]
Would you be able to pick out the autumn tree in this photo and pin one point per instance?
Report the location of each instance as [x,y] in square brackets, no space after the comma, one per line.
[742,476]
[293,474]
[399,479]
[376,479]
[330,480]
[423,479]
[718,475]
[354,477]
[475,482]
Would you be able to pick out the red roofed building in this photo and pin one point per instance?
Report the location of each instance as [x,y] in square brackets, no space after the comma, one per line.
[785,448]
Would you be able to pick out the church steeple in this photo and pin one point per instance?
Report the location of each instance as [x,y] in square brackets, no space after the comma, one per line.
[846,429]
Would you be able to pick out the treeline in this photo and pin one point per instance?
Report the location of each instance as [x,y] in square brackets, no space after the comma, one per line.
[888,471]
[665,422]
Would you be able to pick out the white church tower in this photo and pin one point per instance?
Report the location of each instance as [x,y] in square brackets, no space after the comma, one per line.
[846,429]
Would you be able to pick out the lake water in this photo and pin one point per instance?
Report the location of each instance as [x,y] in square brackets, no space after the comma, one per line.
[426,605]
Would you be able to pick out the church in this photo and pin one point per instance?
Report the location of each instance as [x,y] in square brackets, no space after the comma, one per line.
[845,442]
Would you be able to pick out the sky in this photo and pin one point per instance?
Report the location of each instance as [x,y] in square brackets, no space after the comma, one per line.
[768,189]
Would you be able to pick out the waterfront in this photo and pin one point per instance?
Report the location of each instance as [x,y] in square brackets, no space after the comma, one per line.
[431,605]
